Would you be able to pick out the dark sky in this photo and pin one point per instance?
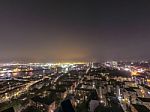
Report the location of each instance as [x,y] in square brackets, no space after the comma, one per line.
[74,30]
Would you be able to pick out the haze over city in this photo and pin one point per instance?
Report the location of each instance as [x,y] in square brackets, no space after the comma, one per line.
[40,31]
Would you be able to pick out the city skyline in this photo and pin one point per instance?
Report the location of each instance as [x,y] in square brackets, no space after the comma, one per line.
[42,31]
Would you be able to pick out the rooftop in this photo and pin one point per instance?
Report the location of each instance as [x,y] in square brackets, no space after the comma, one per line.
[31,109]
[11,109]
[140,108]
[144,99]
[130,89]
[147,87]
[45,100]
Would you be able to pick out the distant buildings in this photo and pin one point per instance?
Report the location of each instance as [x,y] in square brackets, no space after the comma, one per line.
[94,86]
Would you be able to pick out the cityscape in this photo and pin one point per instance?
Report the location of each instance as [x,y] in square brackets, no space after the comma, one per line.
[96,87]
[74,55]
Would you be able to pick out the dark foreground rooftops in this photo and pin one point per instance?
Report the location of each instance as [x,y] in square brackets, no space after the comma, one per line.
[130,89]
[11,109]
[32,109]
[140,108]
[147,87]
[45,100]
[61,90]
[144,99]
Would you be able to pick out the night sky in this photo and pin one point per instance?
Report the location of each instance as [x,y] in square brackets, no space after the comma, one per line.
[74,30]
